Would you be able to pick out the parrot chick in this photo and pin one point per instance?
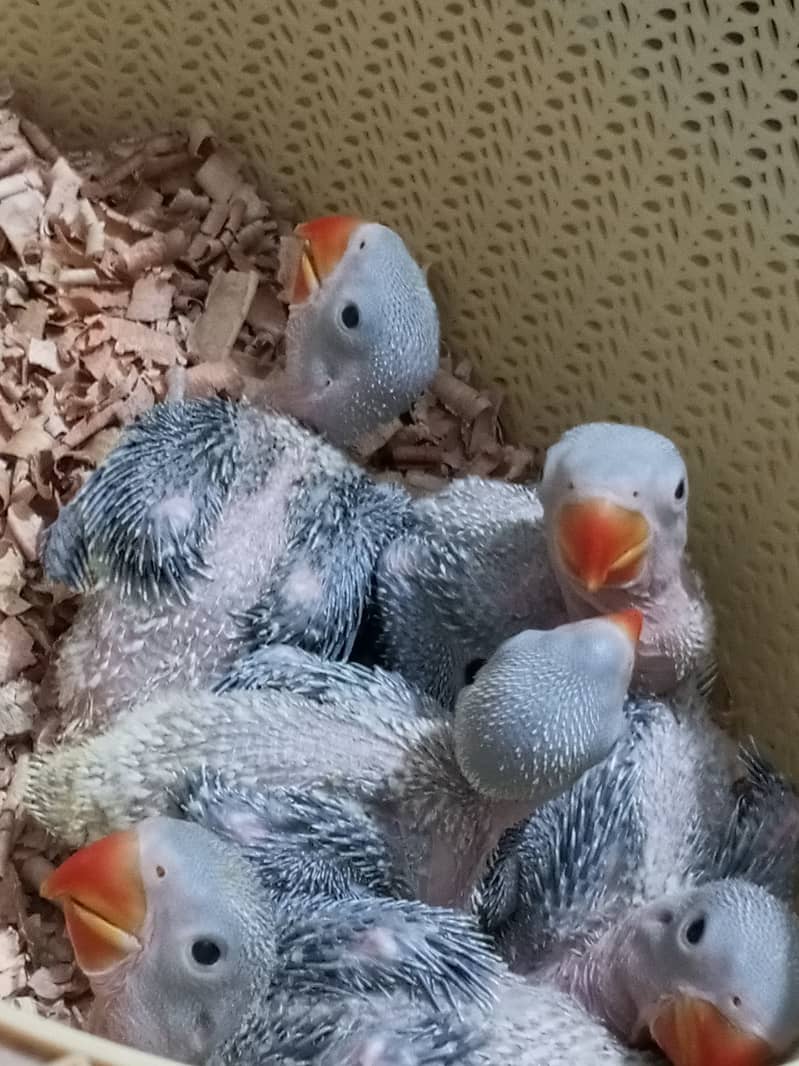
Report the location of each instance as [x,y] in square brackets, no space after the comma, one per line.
[189,956]
[439,790]
[212,527]
[362,338]
[615,500]
[666,813]
[605,530]
[471,570]
[711,974]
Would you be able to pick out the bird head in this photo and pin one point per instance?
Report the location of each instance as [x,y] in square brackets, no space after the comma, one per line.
[173,930]
[546,706]
[615,501]
[362,339]
[717,975]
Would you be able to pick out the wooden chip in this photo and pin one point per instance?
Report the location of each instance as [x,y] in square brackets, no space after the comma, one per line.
[23,526]
[29,440]
[12,567]
[16,649]
[289,264]
[151,299]
[42,984]
[39,140]
[20,212]
[43,354]
[220,176]
[31,320]
[85,302]
[62,200]
[87,427]
[211,379]
[157,250]
[151,344]
[267,314]
[459,397]
[202,138]
[229,299]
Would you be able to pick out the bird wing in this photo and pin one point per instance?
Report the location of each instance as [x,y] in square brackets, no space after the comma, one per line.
[144,516]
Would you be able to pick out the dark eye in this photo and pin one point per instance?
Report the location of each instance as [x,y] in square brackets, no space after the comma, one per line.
[205,952]
[695,931]
[350,316]
[679,492]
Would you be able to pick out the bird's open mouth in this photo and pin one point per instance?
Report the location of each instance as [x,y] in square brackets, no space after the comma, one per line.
[325,240]
[602,544]
[101,890]
[692,1032]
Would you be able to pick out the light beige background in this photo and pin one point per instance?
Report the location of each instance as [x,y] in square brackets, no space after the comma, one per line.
[609,191]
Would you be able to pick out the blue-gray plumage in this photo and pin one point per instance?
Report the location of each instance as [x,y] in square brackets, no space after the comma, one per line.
[362,338]
[189,955]
[604,530]
[710,973]
[439,790]
[211,528]
[672,809]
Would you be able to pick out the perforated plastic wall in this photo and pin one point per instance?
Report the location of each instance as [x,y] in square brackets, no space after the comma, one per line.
[609,191]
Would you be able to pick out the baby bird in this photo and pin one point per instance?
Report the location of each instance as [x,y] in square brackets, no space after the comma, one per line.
[189,956]
[362,339]
[212,527]
[664,814]
[438,790]
[615,502]
[604,530]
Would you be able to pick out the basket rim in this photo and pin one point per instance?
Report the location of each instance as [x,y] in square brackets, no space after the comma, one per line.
[48,1039]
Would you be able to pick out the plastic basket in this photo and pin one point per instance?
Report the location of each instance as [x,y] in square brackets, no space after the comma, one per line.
[607,190]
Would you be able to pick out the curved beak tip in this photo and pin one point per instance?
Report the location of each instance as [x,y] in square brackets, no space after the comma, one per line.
[630,621]
[602,543]
[101,890]
[692,1032]
[326,239]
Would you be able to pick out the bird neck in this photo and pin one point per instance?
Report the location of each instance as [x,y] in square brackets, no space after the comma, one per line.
[607,978]
[677,626]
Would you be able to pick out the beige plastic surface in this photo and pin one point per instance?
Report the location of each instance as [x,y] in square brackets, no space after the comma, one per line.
[609,191]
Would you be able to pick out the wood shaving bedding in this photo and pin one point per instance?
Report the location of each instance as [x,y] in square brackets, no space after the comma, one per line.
[151,268]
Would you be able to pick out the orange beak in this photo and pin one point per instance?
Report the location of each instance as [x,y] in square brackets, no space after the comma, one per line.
[692,1032]
[102,893]
[631,621]
[602,544]
[326,240]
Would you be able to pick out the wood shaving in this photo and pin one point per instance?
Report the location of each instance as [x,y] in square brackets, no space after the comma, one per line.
[127,276]
[229,298]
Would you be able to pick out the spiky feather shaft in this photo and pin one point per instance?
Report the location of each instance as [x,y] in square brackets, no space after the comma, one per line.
[305,842]
[211,529]
[472,571]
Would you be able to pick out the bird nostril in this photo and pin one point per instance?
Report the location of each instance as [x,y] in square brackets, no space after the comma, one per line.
[160,871]
[665,917]
[736,1001]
